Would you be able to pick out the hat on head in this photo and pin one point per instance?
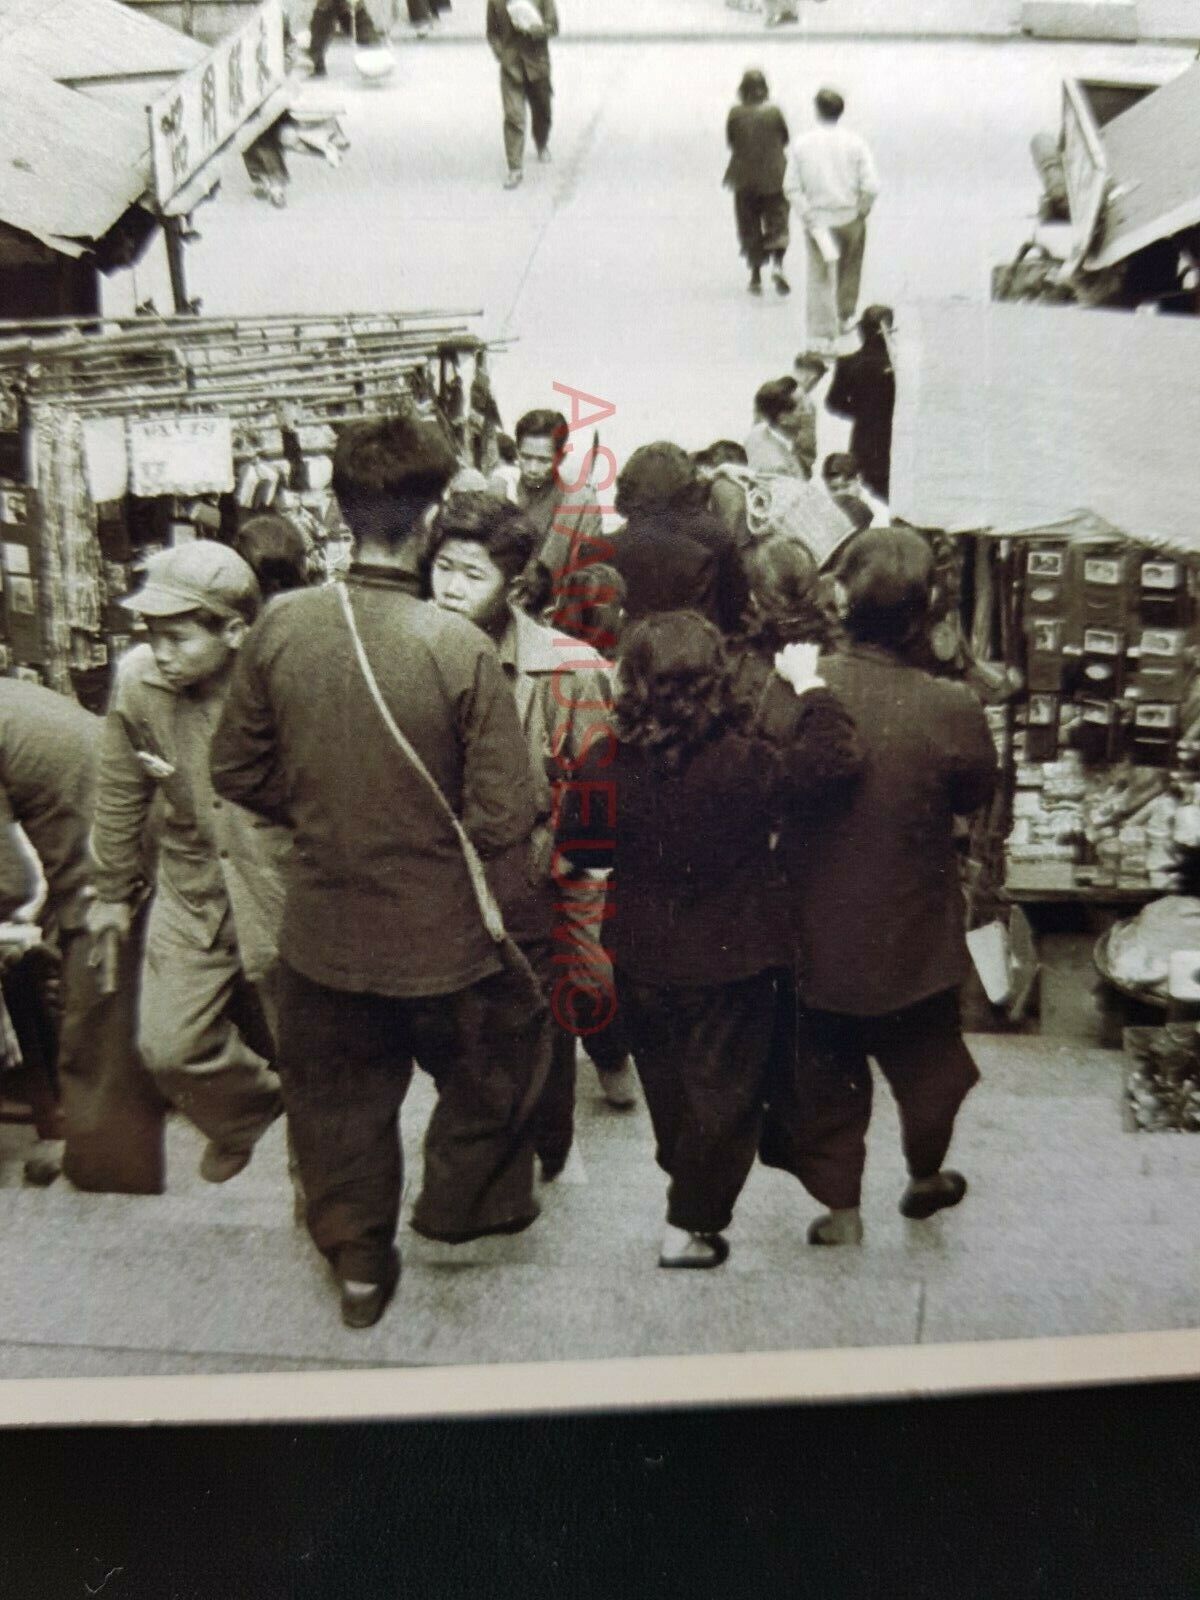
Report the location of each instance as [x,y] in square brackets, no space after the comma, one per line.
[202,576]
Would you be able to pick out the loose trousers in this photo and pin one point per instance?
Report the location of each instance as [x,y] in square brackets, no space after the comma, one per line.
[832,288]
[515,89]
[202,1032]
[820,1091]
[762,225]
[701,1053]
[346,1062]
[113,1114]
[325,18]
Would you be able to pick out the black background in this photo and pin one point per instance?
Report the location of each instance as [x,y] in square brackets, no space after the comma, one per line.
[1077,1492]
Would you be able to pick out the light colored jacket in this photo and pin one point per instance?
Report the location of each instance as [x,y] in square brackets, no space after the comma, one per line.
[215,859]
[831,177]
[563,692]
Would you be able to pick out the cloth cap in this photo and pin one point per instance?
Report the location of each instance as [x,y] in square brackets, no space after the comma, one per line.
[202,576]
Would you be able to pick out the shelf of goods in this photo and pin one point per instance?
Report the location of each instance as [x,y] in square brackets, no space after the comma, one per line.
[119,438]
[1102,746]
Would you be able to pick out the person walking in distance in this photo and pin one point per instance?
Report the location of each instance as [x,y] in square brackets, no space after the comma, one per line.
[833,184]
[757,136]
[519,32]
[863,391]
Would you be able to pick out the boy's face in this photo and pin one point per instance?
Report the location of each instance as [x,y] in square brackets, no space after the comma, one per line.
[187,653]
[843,483]
[465,579]
[536,458]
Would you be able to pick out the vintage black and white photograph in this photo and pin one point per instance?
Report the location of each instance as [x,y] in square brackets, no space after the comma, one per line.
[600,699]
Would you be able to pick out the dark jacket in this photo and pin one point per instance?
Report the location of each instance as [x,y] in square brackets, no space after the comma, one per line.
[874,884]
[682,558]
[520,55]
[757,137]
[48,748]
[377,895]
[864,391]
[691,894]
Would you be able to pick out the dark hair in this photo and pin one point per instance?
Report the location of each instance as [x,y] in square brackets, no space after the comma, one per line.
[486,519]
[722,452]
[655,477]
[775,397]
[543,424]
[753,88]
[588,602]
[829,104]
[506,448]
[872,321]
[887,574]
[839,464]
[387,472]
[674,690]
[275,549]
[791,600]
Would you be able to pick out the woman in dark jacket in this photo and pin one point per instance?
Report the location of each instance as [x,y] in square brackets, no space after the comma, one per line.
[758,139]
[864,390]
[877,903]
[672,552]
[682,806]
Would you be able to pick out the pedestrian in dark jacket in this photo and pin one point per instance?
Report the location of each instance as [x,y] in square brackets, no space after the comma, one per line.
[864,391]
[877,902]
[384,955]
[683,805]
[519,34]
[672,552]
[757,135]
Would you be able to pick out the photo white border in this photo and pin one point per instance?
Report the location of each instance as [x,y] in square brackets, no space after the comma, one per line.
[642,1382]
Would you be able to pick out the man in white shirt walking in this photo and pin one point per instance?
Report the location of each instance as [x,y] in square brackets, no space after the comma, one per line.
[833,185]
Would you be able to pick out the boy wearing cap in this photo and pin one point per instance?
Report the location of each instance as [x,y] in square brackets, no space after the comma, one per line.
[217,893]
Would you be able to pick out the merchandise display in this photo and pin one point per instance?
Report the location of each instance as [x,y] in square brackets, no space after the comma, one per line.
[118,440]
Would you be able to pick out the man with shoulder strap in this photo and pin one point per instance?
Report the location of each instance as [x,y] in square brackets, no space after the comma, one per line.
[385,957]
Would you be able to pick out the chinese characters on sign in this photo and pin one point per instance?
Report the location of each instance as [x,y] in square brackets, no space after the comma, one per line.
[180,455]
[203,110]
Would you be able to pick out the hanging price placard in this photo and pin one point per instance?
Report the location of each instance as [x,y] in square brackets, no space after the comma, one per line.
[180,455]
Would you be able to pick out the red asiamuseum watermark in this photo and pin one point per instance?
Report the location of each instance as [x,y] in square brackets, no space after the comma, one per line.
[584,999]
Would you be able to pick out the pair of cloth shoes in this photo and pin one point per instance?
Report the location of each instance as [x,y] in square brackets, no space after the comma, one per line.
[364,1303]
[921,1200]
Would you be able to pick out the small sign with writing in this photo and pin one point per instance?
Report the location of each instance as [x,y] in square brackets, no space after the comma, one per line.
[180,455]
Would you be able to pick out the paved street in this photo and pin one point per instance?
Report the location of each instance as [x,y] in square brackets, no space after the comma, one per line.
[615,270]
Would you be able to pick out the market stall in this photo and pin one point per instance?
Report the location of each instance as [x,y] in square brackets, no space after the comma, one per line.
[1120,208]
[116,443]
[1006,418]
[114,127]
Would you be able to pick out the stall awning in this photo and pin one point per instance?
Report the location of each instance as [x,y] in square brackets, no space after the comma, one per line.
[1010,415]
[1153,153]
[71,168]
[82,42]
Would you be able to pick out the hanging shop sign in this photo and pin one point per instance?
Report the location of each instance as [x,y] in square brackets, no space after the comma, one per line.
[180,455]
[199,115]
